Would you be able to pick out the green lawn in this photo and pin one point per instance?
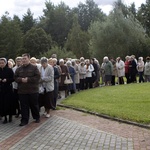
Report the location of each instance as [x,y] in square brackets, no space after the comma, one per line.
[129,102]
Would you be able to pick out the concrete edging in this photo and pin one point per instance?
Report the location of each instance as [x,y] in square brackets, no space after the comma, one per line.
[107,117]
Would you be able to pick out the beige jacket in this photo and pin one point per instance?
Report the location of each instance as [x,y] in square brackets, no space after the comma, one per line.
[47,81]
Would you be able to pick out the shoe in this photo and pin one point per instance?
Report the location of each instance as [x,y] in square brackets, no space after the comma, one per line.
[48,115]
[10,118]
[45,113]
[37,121]
[5,121]
[23,124]
[17,116]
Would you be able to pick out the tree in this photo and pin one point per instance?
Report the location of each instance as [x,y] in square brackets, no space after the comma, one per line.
[78,40]
[88,13]
[57,21]
[36,41]
[28,22]
[10,37]
[117,36]
[143,16]
[61,53]
[133,10]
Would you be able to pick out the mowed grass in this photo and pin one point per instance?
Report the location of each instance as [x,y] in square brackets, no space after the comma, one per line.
[129,102]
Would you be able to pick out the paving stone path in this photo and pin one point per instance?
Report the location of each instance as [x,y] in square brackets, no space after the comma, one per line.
[71,130]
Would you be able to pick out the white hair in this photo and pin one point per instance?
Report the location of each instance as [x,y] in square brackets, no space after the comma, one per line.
[61,60]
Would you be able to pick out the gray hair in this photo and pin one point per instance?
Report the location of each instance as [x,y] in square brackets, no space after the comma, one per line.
[44,60]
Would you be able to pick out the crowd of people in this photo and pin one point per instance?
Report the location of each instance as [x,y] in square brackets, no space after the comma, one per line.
[29,83]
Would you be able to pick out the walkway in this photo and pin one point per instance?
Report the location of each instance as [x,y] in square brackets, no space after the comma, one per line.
[72,130]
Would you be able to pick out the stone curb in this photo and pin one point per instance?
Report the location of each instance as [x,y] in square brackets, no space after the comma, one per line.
[107,117]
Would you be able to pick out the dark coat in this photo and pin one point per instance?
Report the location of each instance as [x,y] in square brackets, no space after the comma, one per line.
[72,75]
[33,74]
[7,105]
[64,70]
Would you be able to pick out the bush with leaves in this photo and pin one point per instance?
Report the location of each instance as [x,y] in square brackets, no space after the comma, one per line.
[61,53]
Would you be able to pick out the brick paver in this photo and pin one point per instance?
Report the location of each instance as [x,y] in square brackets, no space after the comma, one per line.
[60,133]
[71,130]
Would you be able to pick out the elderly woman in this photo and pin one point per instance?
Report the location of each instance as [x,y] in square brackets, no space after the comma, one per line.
[71,87]
[52,62]
[108,68]
[89,70]
[64,73]
[82,75]
[120,70]
[6,92]
[147,69]
[47,83]
[76,77]
[140,69]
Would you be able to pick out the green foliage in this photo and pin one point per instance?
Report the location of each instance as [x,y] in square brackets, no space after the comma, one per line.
[57,21]
[61,53]
[143,16]
[27,22]
[87,13]
[117,36]
[78,40]
[10,37]
[36,41]
[128,102]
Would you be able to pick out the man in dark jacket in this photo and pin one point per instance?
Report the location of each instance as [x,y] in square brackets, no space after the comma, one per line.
[27,76]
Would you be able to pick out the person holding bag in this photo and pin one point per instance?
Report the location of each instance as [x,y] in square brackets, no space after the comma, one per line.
[46,98]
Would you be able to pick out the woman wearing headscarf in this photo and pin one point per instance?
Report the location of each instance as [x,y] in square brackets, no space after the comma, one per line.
[6,92]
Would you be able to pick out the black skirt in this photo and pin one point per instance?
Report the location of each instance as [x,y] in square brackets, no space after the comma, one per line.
[7,104]
[47,100]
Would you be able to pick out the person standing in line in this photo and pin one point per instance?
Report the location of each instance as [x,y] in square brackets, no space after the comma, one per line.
[18,61]
[140,69]
[133,69]
[27,76]
[114,72]
[89,70]
[147,69]
[120,70]
[53,62]
[46,99]
[76,77]
[82,75]
[71,71]
[102,72]
[64,73]
[127,73]
[6,91]
[108,68]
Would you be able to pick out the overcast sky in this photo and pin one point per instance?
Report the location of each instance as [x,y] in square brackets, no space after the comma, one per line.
[19,7]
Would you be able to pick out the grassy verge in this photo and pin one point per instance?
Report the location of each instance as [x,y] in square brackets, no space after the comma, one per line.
[129,102]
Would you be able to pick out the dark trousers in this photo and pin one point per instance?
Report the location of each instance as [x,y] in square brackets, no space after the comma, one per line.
[88,83]
[82,84]
[27,102]
[121,80]
[113,80]
[16,97]
[127,77]
[141,79]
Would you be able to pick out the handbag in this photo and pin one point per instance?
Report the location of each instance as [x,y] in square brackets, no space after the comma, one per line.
[41,89]
[68,80]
